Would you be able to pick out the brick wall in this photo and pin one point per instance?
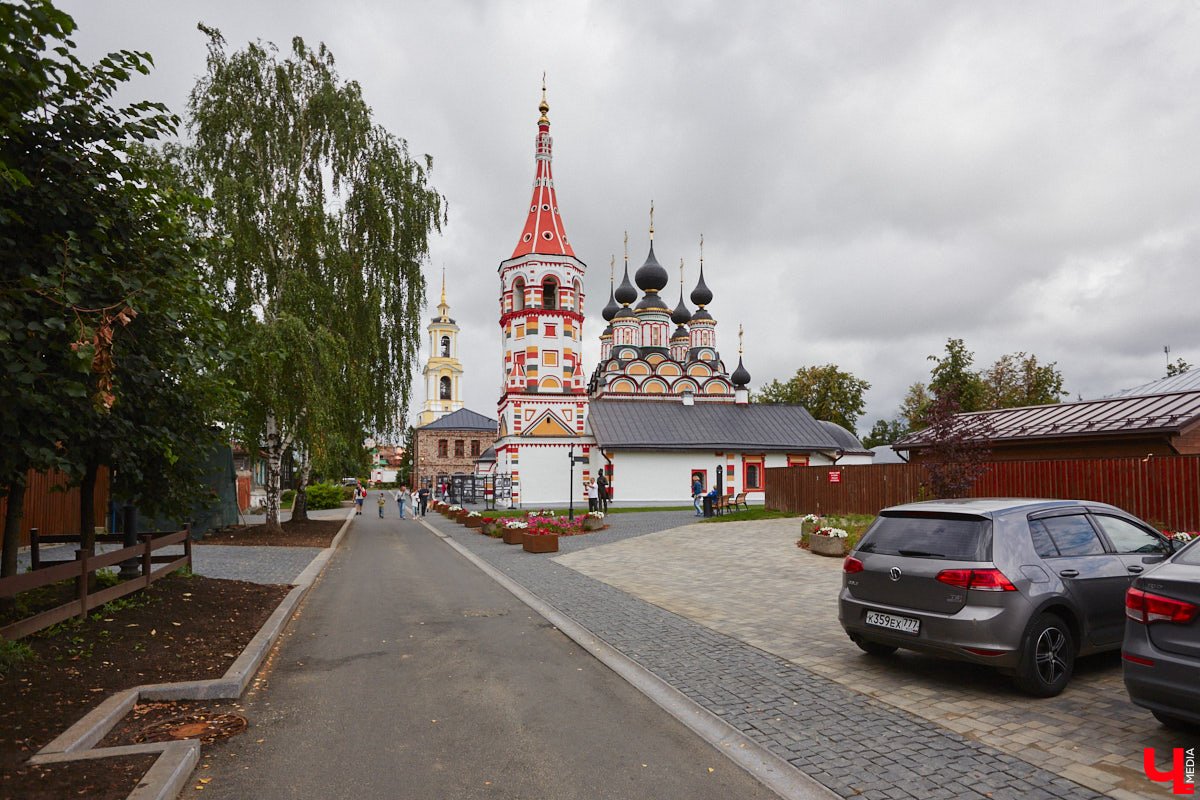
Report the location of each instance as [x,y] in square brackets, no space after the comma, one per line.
[427,461]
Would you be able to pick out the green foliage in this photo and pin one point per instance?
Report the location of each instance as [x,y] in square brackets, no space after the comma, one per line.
[885,432]
[101,312]
[14,654]
[827,392]
[1019,380]
[915,405]
[324,495]
[952,376]
[322,295]
[958,449]
[1178,368]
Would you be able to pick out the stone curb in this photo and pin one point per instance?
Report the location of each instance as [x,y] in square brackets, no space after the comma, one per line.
[767,768]
[176,760]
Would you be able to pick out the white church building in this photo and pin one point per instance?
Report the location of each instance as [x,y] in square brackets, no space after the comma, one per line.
[659,408]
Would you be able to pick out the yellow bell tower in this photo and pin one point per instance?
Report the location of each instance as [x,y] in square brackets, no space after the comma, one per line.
[443,372]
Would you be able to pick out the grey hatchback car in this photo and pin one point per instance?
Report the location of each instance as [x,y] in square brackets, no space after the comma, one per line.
[1162,639]
[1020,584]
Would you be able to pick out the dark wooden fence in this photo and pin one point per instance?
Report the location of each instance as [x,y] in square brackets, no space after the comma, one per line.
[48,507]
[81,567]
[1163,490]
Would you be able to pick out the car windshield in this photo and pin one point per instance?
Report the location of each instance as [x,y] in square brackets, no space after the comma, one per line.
[955,537]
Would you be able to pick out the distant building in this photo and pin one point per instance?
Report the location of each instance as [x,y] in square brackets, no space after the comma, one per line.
[451,444]
[443,372]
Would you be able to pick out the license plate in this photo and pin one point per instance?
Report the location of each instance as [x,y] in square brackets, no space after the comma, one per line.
[894,623]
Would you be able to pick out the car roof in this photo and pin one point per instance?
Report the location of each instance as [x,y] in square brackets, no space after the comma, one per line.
[989,506]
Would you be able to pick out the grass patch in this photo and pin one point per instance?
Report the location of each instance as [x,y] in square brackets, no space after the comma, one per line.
[13,654]
[579,510]
[755,512]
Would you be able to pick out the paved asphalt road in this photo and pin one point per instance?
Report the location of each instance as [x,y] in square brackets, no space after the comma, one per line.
[410,674]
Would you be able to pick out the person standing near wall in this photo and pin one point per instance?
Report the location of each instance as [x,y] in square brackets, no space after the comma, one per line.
[697,493]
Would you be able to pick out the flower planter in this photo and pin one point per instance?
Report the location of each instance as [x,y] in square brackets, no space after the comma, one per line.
[827,545]
[514,536]
[540,543]
[473,522]
[492,529]
[592,524]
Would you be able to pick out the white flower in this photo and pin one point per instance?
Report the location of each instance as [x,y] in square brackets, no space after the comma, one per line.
[516,524]
[596,514]
[454,508]
[810,518]
[473,514]
[1183,537]
[836,533]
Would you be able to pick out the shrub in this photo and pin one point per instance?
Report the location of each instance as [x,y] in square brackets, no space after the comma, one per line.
[324,495]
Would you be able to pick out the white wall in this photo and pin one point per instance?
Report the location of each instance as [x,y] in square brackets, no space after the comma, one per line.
[544,472]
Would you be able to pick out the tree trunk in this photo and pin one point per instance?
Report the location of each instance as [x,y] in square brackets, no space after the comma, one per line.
[87,509]
[274,448]
[300,503]
[12,527]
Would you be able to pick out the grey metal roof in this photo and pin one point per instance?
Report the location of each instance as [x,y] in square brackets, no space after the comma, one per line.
[656,425]
[847,441]
[462,420]
[1111,416]
[487,455]
[1186,382]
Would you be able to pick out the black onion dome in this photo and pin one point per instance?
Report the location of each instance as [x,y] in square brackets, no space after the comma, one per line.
[701,313]
[680,333]
[681,315]
[651,277]
[607,332]
[740,376]
[625,293]
[612,308]
[625,313]
[701,295]
[651,300]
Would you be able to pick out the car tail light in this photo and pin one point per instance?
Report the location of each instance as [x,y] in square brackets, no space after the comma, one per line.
[1145,662]
[985,580]
[985,651]
[852,564]
[1145,608]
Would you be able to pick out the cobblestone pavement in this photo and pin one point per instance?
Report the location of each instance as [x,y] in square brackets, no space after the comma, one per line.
[856,744]
[719,576]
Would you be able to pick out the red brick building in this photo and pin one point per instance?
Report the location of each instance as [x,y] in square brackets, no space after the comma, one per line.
[451,444]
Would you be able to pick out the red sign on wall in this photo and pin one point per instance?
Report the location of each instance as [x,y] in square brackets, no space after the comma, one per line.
[835,476]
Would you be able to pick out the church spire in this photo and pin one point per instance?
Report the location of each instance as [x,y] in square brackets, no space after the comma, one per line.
[543,232]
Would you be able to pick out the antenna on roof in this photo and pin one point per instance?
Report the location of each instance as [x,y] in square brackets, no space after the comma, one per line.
[1167,353]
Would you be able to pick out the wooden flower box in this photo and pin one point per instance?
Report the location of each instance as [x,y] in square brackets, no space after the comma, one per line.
[540,543]
[514,536]
[473,522]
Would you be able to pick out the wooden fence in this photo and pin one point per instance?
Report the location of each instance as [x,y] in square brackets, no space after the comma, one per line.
[80,568]
[49,508]
[1163,490]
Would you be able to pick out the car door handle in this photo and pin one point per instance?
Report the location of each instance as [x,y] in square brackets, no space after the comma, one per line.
[1135,568]
[1069,573]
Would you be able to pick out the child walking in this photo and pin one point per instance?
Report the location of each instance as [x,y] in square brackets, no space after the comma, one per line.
[381,502]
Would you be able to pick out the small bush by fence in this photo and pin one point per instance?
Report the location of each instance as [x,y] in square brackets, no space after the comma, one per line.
[1163,490]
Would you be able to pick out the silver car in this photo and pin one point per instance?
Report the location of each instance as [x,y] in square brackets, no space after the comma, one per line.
[1019,584]
[1161,653]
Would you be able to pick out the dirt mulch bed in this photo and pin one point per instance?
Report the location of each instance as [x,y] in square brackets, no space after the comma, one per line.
[311,533]
[181,628]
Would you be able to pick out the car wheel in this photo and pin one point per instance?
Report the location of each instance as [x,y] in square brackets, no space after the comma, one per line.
[1175,723]
[1047,657]
[874,648]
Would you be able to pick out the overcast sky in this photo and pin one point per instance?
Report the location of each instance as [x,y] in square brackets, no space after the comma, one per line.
[870,177]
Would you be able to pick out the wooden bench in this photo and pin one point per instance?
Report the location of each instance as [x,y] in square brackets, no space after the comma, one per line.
[740,500]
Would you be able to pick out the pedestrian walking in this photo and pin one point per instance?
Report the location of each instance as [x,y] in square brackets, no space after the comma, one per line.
[416,501]
[423,493]
[360,494]
[697,493]
[402,495]
[593,496]
[381,504]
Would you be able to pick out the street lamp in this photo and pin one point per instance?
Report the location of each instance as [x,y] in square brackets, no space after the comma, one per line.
[571,488]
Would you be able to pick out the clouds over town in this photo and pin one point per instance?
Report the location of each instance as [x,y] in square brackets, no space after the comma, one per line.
[870,178]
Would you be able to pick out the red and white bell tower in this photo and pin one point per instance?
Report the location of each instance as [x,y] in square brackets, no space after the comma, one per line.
[543,408]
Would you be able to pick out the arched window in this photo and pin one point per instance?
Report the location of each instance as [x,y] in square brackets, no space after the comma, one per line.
[445,347]
[578,296]
[444,388]
[519,294]
[549,293]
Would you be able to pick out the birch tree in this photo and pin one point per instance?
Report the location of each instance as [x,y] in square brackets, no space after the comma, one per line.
[325,219]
